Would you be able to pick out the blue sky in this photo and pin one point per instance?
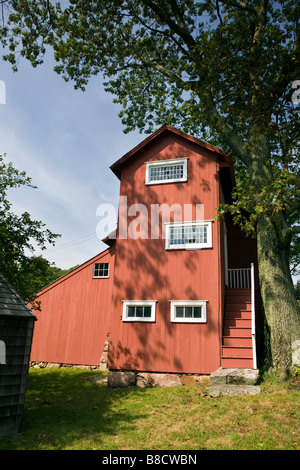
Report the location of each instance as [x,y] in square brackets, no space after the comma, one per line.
[66,140]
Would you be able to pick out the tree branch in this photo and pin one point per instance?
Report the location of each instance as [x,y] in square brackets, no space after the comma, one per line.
[179,27]
[163,33]
[288,232]
[218,12]
[289,66]
[240,5]
[294,229]
[160,68]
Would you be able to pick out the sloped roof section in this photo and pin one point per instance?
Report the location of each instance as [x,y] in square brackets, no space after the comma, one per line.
[81,266]
[110,239]
[116,167]
[11,304]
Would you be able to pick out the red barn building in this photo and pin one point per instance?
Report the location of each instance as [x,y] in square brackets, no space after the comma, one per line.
[175,290]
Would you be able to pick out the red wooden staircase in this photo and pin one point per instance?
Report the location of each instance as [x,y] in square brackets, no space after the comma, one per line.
[237,350]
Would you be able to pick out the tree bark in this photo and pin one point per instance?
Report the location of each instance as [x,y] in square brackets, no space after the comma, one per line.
[281,310]
[280,305]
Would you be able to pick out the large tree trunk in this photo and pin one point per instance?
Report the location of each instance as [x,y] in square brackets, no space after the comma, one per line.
[280,305]
[281,310]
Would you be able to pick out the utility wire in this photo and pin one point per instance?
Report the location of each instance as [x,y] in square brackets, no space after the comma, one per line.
[82,239]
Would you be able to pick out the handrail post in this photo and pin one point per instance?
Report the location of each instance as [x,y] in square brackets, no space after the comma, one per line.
[253,317]
[239,278]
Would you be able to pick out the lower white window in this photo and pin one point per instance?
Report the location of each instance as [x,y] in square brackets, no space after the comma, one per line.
[188,311]
[139,310]
[189,235]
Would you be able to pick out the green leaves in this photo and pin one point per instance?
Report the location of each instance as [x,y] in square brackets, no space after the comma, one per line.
[228,55]
[219,70]
[18,233]
[280,195]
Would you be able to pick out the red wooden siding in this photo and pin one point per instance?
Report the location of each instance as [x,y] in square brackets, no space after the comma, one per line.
[78,311]
[242,250]
[75,315]
[144,270]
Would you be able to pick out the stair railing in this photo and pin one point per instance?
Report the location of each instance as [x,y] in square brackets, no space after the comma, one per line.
[243,278]
[239,278]
[253,317]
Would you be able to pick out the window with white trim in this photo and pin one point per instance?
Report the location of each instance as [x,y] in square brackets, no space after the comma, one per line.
[188,311]
[189,235]
[166,171]
[139,310]
[101,269]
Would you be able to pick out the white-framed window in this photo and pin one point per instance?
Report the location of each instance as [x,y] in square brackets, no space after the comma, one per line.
[101,270]
[189,235]
[166,171]
[139,310]
[188,311]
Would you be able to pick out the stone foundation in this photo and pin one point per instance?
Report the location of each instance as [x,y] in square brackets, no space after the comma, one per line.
[222,382]
[152,379]
[232,382]
[103,360]
[53,365]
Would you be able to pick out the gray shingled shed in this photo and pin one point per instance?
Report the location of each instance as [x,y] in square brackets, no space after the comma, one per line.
[16,330]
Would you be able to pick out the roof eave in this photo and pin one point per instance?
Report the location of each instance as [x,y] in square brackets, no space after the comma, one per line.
[117,166]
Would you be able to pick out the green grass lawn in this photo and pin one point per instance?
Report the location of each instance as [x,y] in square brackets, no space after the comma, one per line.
[66,410]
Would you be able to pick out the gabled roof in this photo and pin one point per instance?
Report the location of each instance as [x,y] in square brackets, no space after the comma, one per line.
[11,304]
[79,268]
[117,166]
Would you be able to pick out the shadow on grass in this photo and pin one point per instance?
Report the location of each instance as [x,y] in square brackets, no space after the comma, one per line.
[65,409]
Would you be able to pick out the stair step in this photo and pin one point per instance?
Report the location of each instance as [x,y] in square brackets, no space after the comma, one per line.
[234,381]
[235,376]
[237,298]
[237,349]
[246,306]
[238,314]
[236,362]
[235,331]
[237,341]
[232,352]
[238,322]
[233,390]
[229,291]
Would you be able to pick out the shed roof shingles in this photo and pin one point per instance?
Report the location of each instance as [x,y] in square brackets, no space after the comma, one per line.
[10,301]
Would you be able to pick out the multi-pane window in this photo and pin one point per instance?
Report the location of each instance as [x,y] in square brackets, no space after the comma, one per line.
[188,311]
[138,311]
[101,269]
[193,311]
[167,171]
[188,235]
[143,310]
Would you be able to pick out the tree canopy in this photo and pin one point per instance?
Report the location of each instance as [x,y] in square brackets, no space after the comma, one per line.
[224,70]
[18,235]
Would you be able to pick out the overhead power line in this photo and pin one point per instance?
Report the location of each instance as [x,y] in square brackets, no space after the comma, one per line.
[82,239]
